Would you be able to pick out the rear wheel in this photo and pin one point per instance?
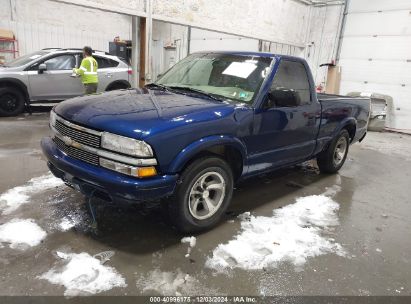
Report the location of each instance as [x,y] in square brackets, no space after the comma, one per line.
[332,159]
[11,102]
[117,86]
[202,196]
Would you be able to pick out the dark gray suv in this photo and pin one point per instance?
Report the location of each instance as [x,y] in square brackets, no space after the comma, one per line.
[45,76]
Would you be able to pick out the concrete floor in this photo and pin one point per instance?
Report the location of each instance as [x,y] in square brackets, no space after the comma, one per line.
[374,227]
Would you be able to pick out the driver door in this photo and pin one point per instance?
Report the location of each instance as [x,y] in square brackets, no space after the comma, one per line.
[55,82]
[286,126]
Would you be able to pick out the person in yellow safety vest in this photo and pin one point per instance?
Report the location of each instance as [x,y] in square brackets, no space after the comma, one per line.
[88,71]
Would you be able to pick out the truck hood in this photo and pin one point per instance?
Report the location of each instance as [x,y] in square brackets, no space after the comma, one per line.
[140,113]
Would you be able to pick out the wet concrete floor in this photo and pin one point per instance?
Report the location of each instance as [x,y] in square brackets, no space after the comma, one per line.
[374,227]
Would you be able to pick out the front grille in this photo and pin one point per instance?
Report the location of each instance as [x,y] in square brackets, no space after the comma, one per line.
[78,136]
[77,153]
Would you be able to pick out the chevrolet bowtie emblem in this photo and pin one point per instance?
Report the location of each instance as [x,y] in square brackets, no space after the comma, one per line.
[67,140]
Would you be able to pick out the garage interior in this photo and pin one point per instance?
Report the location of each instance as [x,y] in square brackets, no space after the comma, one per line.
[353,47]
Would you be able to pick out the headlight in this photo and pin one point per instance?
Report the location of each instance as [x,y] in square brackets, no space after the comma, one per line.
[52,118]
[125,145]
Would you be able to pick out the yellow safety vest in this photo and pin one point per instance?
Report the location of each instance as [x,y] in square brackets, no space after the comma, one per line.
[88,70]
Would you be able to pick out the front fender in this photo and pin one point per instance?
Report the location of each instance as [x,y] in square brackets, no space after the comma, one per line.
[203,144]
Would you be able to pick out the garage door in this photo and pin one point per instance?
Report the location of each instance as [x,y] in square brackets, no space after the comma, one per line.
[376,53]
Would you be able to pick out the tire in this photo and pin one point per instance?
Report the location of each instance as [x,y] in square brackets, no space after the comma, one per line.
[12,102]
[188,210]
[332,159]
[117,86]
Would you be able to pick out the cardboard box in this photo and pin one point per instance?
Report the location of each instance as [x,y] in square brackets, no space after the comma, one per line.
[4,33]
[333,80]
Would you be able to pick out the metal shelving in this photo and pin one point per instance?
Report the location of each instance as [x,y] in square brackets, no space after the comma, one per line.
[14,46]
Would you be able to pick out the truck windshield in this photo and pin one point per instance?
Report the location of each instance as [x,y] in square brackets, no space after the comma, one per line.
[22,60]
[226,76]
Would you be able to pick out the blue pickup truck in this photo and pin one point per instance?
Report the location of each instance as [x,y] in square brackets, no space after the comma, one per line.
[213,119]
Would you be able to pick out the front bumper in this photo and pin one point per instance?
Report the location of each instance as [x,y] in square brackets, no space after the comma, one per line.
[88,178]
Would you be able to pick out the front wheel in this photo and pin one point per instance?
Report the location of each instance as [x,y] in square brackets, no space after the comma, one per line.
[332,159]
[202,196]
[11,102]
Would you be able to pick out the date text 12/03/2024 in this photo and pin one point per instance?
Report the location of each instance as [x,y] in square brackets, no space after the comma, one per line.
[203,299]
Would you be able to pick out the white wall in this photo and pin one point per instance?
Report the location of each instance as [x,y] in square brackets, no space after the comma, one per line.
[376,53]
[288,24]
[40,24]
[322,39]
[203,40]
[275,20]
[167,35]
[130,7]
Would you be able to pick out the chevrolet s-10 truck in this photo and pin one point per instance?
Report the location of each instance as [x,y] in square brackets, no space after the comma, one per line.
[213,119]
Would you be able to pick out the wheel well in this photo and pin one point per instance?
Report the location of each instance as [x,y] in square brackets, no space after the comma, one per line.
[230,154]
[15,84]
[119,84]
[351,130]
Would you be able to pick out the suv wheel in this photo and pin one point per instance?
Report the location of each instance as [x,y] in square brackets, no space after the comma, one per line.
[11,102]
[332,159]
[117,86]
[202,196]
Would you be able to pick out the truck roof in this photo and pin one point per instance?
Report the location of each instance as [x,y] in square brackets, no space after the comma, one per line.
[248,53]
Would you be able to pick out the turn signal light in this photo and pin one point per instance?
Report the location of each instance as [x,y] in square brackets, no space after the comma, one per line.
[127,169]
[146,171]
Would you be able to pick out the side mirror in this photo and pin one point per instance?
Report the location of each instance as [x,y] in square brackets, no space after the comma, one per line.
[282,97]
[42,68]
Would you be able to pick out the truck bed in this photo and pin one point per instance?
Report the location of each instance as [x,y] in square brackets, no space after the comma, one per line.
[326,97]
[337,108]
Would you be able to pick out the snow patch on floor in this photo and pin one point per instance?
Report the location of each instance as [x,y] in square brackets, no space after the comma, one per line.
[293,234]
[83,274]
[174,283]
[245,216]
[189,240]
[70,221]
[20,234]
[66,224]
[14,197]
[192,241]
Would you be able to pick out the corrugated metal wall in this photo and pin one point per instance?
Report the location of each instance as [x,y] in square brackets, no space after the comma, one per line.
[202,40]
[376,53]
[322,39]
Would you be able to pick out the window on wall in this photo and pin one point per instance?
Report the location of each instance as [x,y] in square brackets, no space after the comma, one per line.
[292,75]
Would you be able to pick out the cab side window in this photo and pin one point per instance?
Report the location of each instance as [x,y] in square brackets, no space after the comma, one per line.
[292,77]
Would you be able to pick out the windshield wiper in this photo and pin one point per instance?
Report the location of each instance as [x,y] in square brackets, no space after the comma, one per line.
[188,89]
[156,85]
